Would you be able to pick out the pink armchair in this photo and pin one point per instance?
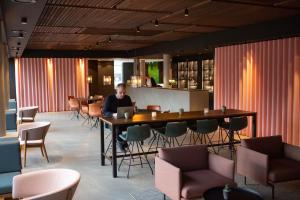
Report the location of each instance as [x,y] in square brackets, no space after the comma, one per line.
[187,172]
[267,160]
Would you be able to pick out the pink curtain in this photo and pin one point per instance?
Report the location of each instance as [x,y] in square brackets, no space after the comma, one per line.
[47,83]
[262,77]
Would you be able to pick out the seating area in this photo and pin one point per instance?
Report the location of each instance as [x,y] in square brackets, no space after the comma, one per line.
[150,100]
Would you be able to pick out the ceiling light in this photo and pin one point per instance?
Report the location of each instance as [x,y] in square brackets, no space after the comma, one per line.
[13,48]
[138,29]
[24,1]
[109,39]
[24,20]
[156,23]
[186,12]
[19,43]
[20,35]
[98,44]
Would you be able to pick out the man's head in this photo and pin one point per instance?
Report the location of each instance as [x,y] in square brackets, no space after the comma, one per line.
[120,91]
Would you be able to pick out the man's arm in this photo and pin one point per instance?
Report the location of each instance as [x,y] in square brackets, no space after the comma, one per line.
[107,107]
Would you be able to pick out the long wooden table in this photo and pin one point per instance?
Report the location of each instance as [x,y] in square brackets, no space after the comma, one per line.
[145,118]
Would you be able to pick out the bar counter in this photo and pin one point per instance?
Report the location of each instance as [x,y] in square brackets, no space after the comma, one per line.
[169,98]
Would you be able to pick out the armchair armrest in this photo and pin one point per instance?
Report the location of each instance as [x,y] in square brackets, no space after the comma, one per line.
[292,152]
[168,179]
[221,165]
[253,164]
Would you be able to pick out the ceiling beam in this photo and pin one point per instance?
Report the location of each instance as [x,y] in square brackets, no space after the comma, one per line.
[198,25]
[107,8]
[256,4]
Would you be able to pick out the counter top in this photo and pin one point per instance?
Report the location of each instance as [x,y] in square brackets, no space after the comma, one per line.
[181,89]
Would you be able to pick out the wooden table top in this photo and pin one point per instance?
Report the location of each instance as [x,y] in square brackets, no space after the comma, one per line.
[168,117]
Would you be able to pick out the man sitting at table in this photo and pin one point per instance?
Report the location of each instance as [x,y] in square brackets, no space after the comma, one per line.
[112,102]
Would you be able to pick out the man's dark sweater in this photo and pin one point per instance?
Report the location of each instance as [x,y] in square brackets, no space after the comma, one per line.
[112,103]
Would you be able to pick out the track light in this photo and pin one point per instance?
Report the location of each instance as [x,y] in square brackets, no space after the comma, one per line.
[24,20]
[186,12]
[109,39]
[138,29]
[19,43]
[156,23]
[24,1]
[20,35]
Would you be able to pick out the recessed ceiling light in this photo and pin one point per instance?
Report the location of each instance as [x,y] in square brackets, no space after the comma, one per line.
[19,43]
[186,12]
[24,20]
[138,29]
[156,23]
[109,39]
[20,35]
[24,1]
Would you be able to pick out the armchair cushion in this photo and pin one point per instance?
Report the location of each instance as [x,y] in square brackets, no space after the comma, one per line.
[292,152]
[283,169]
[6,180]
[195,183]
[10,155]
[181,157]
[271,146]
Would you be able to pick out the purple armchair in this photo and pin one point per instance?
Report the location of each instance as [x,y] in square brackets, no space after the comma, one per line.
[187,172]
[267,160]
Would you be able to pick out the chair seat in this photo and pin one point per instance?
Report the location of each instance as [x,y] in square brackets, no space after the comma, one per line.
[85,109]
[284,169]
[195,183]
[6,182]
[29,142]
[123,136]
[27,119]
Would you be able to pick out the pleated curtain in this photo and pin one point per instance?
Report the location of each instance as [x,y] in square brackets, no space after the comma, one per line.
[262,77]
[47,82]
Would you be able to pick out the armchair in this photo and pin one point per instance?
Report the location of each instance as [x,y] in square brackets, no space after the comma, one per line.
[184,173]
[10,164]
[267,160]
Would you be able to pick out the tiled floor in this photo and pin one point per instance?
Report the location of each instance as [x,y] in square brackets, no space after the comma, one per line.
[71,145]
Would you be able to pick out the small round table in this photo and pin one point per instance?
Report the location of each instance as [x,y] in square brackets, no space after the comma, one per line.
[235,194]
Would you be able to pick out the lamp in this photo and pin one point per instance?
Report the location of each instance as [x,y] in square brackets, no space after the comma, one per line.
[136,81]
[186,12]
[90,79]
[156,23]
[24,20]
[106,80]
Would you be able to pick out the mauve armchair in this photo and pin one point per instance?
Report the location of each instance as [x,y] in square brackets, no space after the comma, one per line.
[267,160]
[187,172]
[49,184]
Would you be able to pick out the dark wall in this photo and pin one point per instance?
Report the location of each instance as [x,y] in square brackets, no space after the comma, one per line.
[127,69]
[12,81]
[105,68]
[98,69]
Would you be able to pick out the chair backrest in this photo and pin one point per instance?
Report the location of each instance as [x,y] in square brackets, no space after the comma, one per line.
[175,129]
[12,104]
[33,131]
[187,158]
[271,145]
[154,107]
[238,123]
[207,126]
[10,155]
[95,110]
[71,97]
[138,133]
[50,184]
[74,103]
[84,102]
[28,111]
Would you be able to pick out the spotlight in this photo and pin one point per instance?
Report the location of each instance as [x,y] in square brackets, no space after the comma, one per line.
[19,43]
[186,12]
[24,20]
[20,35]
[138,29]
[156,23]
[109,39]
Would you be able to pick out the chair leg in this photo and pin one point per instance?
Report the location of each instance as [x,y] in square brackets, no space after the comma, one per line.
[245,180]
[25,154]
[45,152]
[42,151]
[138,149]
[210,142]
[273,191]
[164,197]
[146,158]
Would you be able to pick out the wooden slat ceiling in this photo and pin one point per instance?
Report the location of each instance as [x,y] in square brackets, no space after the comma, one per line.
[112,24]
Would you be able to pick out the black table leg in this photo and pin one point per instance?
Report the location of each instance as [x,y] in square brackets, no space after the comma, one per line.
[254,125]
[102,143]
[114,152]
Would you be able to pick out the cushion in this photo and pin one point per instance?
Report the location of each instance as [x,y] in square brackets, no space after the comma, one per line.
[195,183]
[10,155]
[271,146]
[6,182]
[284,170]
[186,158]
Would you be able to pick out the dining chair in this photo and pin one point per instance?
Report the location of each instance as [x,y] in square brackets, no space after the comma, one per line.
[75,107]
[48,184]
[95,111]
[33,135]
[27,114]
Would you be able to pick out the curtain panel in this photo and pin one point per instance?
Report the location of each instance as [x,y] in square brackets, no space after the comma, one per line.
[47,82]
[262,77]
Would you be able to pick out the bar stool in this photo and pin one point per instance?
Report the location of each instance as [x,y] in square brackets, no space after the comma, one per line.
[234,126]
[170,133]
[204,128]
[134,136]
